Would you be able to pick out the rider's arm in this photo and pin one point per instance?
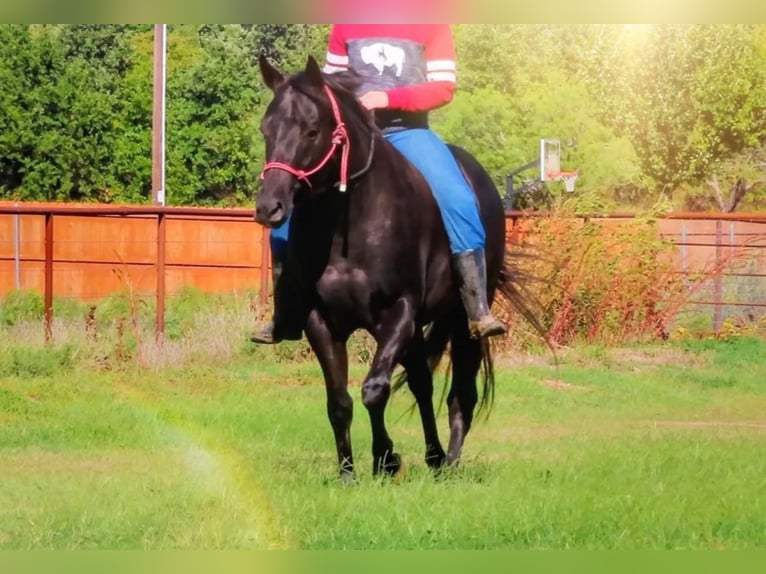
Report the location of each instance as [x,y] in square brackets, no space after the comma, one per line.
[441,75]
[440,64]
[336,59]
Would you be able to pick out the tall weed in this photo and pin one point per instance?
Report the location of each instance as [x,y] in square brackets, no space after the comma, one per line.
[602,281]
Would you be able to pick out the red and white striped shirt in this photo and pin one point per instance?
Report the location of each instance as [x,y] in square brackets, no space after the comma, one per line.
[413,63]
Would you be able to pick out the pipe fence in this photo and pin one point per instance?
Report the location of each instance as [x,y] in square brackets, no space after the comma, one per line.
[78,252]
[83,246]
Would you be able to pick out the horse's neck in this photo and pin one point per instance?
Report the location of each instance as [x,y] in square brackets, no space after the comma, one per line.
[333,218]
[364,143]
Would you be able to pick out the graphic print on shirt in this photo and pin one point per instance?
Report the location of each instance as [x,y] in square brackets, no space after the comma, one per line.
[382,56]
[387,63]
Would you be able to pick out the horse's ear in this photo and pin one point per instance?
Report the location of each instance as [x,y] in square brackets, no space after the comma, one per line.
[272,77]
[314,72]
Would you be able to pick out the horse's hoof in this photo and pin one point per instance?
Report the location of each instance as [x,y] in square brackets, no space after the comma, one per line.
[401,472]
[436,459]
[347,478]
[390,465]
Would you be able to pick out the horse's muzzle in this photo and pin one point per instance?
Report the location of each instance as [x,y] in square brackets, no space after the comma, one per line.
[271,216]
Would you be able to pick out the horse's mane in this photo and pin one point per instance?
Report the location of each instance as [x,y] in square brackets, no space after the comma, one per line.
[348,81]
[344,85]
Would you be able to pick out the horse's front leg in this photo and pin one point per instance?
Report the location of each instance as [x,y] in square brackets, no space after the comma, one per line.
[333,359]
[393,334]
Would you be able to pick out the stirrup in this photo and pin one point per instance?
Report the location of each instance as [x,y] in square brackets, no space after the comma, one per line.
[265,335]
[487,326]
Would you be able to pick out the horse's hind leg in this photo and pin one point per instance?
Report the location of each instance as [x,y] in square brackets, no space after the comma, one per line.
[333,359]
[394,333]
[420,381]
[466,359]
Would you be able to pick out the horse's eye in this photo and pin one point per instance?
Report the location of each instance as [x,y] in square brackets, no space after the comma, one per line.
[312,134]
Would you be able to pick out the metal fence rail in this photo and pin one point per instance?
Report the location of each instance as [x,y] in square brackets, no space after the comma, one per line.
[701,238]
[158,245]
[733,242]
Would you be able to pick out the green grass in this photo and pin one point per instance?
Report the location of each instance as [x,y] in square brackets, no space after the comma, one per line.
[654,447]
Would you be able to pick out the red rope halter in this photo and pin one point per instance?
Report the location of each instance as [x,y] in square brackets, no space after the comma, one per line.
[339,139]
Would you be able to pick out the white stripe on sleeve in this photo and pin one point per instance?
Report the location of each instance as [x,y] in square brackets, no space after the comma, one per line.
[336,60]
[440,66]
[328,69]
[442,77]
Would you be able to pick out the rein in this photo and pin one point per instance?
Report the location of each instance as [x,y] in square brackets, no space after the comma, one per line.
[339,139]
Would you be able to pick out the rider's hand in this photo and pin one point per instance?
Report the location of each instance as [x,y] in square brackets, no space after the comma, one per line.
[374,100]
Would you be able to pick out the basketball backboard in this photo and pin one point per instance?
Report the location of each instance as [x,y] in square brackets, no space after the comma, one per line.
[550,165]
[550,159]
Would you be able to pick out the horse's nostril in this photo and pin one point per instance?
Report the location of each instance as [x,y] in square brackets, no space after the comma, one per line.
[277,209]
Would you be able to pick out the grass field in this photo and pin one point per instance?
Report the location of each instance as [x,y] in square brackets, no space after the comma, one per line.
[652,447]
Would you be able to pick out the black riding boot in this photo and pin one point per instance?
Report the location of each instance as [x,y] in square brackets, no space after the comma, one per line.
[283,325]
[472,271]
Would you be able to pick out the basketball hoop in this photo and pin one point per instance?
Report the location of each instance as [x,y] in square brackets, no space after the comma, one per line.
[568,177]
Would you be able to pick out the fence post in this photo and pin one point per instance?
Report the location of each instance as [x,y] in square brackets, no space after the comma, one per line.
[17,250]
[718,279]
[48,297]
[684,263]
[160,319]
[263,292]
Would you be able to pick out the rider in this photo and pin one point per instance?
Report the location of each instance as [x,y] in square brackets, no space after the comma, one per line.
[408,70]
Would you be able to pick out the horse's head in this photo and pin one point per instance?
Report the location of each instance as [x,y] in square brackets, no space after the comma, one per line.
[298,128]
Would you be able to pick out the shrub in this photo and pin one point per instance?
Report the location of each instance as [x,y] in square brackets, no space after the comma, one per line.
[182,309]
[18,306]
[600,280]
[25,361]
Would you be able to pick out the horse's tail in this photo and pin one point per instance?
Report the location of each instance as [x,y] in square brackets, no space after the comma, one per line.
[437,336]
[487,396]
[511,286]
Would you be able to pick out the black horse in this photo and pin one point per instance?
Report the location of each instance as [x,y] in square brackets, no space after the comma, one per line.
[372,253]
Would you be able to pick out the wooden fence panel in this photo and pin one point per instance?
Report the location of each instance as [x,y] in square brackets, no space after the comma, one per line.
[95,254]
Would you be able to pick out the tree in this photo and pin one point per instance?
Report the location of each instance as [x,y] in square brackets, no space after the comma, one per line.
[212,105]
[641,111]
[30,64]
[687,97]
[535,94]
[65,110]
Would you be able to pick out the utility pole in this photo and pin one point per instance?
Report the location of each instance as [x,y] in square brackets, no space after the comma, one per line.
[158,167]
[158,115]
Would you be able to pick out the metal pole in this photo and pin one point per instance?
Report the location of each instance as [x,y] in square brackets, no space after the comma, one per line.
[684,264]
[48,297]
[718,280]
[158,115]
[160,320]
[17,250]
[263,293]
